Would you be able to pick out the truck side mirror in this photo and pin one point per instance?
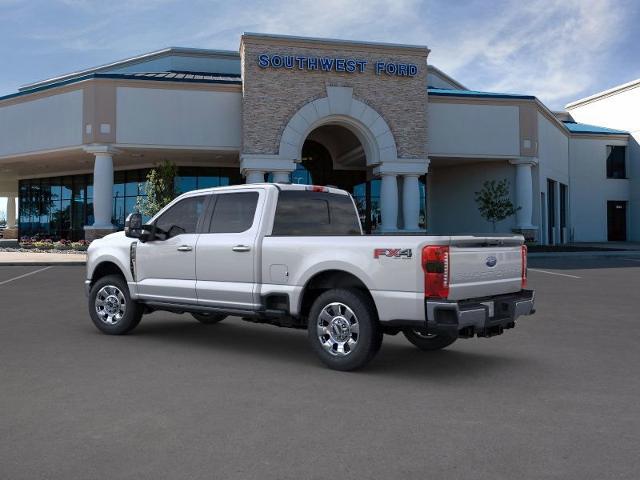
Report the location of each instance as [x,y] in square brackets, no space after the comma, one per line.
[133,225]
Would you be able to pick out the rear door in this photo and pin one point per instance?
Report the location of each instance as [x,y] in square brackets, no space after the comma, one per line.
[166,269]
[227,251]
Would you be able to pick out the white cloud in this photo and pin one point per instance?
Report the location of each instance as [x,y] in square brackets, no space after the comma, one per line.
[553,49]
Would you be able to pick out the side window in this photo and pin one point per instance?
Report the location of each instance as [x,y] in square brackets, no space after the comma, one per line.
[234,212]
[306,214]
[182,217]
[616,161]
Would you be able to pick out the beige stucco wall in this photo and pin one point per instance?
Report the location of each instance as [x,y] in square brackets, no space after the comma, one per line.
[272,96]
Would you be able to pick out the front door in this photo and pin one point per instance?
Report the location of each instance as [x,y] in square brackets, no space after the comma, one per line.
[166,268]
[617,221]
[227,251]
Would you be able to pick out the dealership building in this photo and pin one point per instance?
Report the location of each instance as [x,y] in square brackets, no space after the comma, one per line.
[410,143]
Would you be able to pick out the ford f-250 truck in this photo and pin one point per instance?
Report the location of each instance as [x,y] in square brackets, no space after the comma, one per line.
[295,256]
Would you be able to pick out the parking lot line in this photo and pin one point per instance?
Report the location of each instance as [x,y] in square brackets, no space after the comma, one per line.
[632,259]
[553,273]
[25,275]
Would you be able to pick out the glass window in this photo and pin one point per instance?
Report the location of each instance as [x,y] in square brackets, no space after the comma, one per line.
[186,184]
[119,180]
[324,214]
[234,212]
[117,217]
[616,161]
[67,188]
[182,217]
[131,185]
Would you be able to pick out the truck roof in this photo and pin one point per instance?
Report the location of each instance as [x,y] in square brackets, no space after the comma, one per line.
[279,186]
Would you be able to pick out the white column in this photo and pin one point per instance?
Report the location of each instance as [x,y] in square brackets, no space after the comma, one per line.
[389,202]
[102,191]
[102,186]
[524,192]
[254,176]
[411,202]
[281,177]
[11,212]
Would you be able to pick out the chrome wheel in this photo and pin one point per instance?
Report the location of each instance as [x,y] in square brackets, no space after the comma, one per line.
[110,304]
[338,329]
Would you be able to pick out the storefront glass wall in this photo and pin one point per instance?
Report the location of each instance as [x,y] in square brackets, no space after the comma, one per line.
[59,207]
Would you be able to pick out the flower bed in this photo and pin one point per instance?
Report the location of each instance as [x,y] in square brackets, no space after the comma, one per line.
[40,245]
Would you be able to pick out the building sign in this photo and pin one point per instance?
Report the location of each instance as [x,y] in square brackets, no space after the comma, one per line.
[335,64]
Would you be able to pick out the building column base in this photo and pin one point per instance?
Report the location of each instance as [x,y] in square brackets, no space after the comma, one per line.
[95,232]
[10,234]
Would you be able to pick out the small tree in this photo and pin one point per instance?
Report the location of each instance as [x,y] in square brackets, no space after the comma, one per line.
[160,188]
[494,203]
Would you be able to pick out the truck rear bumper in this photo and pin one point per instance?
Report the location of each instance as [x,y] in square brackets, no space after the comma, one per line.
[483,317]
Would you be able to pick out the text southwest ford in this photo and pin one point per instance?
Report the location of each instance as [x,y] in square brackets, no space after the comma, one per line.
[295,256]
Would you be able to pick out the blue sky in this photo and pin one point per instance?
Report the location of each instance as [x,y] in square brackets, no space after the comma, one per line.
[557,50]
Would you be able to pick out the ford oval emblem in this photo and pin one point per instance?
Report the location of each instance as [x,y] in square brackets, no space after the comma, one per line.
[491,261]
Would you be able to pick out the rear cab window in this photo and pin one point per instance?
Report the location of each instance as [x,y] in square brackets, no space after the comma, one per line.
[304,213]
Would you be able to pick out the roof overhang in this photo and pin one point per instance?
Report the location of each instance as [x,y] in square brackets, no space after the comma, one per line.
[145,57]
[605,93]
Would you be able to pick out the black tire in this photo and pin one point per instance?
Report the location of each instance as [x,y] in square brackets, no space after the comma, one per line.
[209,318]
[344,349]
[429,342]
[114,297]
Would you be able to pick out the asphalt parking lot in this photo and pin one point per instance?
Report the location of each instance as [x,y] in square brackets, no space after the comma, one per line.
[557,397]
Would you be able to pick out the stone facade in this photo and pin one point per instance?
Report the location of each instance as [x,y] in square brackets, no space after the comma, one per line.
[272,96]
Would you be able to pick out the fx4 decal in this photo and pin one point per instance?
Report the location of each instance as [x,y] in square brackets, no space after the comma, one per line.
[392,253]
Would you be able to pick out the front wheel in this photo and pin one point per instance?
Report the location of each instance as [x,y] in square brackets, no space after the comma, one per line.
[343,329]
[428,341]
[111,308]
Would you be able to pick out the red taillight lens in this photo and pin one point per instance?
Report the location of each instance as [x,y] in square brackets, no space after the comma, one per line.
[435,263]
[524,266]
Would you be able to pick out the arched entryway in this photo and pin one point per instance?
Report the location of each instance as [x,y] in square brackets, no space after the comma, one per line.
[333,155]
[339,140]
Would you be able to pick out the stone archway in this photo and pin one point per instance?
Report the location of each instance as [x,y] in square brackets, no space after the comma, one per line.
[340,108]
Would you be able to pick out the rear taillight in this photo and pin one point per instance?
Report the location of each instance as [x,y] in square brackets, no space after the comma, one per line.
[435,263]
[524,266]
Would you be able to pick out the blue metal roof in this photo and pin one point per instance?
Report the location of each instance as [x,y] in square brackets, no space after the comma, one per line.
[445,92]
[575,127]
[187,77]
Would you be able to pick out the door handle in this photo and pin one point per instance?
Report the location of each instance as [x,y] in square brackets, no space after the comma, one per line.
[241,248]
[185,248]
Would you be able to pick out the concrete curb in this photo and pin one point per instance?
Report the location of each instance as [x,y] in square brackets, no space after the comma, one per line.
[43,264]
[617,253]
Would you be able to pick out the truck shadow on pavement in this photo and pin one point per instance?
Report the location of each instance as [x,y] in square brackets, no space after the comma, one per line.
[262,343]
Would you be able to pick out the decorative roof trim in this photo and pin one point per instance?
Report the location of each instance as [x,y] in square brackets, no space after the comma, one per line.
[132,61]
[121,76]
[603,94]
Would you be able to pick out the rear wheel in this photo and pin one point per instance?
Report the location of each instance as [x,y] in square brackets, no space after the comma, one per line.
[343,329]
[208,318]
[429,341]
[111,308]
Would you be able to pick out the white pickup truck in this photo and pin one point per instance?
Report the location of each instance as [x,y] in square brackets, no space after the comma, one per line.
[295,256]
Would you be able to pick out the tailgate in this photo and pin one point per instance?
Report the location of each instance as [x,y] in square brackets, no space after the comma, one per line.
[481,271]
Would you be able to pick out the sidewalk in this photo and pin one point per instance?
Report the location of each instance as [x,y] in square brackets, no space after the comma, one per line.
[37,259]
